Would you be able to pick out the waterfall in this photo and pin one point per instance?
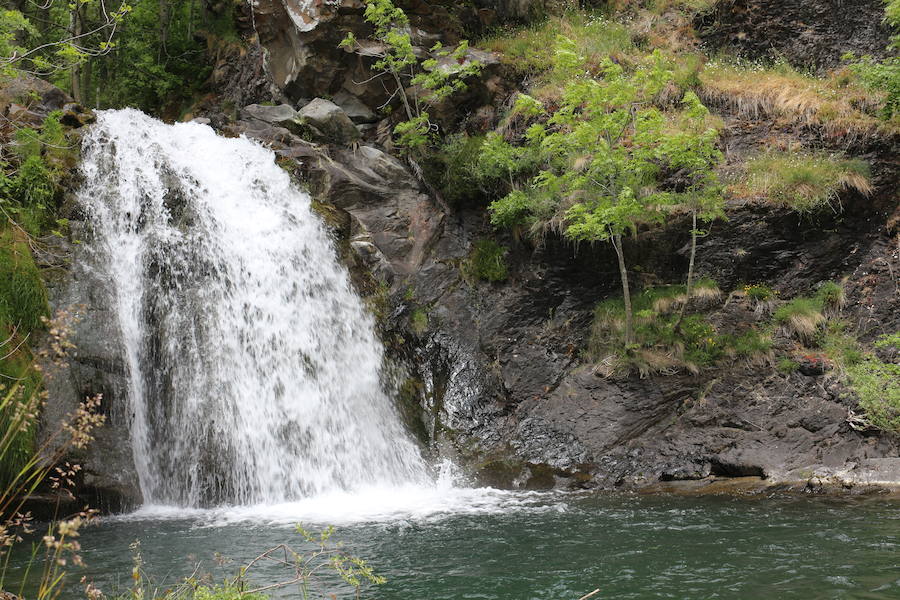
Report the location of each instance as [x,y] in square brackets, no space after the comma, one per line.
[254,371]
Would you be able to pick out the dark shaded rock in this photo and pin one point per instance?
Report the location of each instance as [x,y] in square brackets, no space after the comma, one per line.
[354,108]
[807,34]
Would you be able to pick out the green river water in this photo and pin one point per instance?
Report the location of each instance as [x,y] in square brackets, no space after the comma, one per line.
[546,546]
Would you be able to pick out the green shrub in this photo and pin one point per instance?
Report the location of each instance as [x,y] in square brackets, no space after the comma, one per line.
[455,169]
[877,385]
[805,182]
[487,261]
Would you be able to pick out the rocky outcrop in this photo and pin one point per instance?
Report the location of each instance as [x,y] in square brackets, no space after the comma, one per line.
[492,374]
[329,121]
[808,34]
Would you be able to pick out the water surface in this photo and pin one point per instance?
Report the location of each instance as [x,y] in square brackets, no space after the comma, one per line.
[536,546]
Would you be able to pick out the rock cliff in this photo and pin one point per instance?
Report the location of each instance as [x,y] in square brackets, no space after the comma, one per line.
[495,377]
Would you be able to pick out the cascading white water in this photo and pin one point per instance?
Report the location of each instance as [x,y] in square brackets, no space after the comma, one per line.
[254,369]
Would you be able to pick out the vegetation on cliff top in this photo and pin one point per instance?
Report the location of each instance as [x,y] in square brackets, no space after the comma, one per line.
[150,54]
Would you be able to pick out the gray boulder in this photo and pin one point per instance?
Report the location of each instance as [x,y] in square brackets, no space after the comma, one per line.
[328,118]
[355,109]
[281,115]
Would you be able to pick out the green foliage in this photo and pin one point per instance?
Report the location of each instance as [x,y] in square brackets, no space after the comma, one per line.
[877,385]
[602,147]
[889,341]
[454,168]
[875,382]
[418,321]
[592,166]
[752,344]
[223,592]
[23,299]
[434,80]
[28,188]
[487,261]
[663,341]
[839,345]
[760,292]
[806,182]
[594,35]
[55,46]
[148,72]
[881,76]
[12,25]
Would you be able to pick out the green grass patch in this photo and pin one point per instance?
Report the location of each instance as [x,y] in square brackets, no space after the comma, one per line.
[840,103]
[752,345]
[805,182]
[530,50]
[487,261]
[23,298]
[832,296]
[788,366]
[760,293]
[663,345]
[454,169]
[801,317]
[418,321]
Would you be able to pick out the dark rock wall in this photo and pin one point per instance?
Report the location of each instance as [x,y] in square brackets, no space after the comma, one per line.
[811,35]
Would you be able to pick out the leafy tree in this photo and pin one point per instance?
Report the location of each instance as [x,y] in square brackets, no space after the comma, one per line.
[68,33]
[436,78]
[692,151]
[596,163]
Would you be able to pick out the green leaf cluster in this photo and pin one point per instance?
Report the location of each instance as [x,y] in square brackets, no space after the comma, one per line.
[432,81]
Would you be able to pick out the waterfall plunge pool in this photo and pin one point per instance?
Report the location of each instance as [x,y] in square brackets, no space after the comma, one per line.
[239,326]
[484,544]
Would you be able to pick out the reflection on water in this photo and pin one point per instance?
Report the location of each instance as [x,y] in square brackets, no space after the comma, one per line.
[497,545]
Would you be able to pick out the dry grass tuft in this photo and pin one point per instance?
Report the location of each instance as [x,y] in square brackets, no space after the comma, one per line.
[801,318]
[837,104]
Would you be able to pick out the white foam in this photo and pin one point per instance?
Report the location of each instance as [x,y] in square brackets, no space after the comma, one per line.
[367,505]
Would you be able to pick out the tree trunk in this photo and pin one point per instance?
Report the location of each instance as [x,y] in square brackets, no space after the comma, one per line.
[163,28]
[87,74]
[19,37]
[626,292]
[74,31]
[690,276]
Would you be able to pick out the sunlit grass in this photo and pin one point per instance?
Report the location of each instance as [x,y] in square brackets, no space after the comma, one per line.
[804,182]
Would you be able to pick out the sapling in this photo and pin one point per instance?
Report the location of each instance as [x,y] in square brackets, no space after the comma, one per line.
[436,78]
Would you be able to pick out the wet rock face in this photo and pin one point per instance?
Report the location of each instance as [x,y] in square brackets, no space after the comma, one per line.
[97,366]
[807,34]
